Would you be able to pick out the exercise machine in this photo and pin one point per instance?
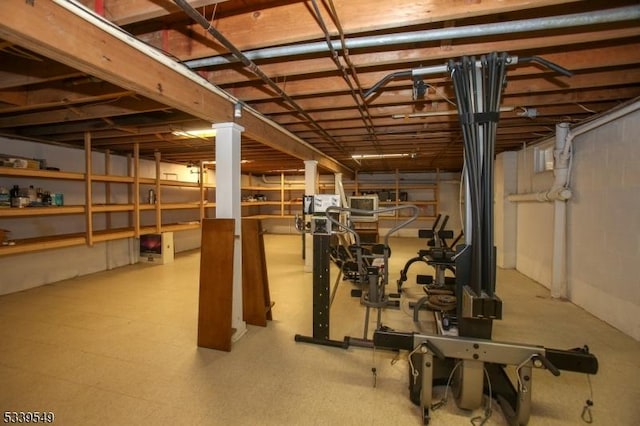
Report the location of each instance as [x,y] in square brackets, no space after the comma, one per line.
[372,271]
[470,361]
[438,254]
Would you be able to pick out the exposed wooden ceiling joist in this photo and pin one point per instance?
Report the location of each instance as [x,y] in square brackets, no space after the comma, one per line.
[60,77]
[96,52]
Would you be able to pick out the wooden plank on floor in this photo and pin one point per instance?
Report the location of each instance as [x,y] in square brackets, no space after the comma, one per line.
[256,300]
[216,284]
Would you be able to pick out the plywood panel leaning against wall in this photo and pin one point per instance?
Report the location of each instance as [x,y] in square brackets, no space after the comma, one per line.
[256,300]
[216,284]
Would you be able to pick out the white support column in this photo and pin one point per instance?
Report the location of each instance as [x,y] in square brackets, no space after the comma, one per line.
[339,189]
[228,205]
[310,185]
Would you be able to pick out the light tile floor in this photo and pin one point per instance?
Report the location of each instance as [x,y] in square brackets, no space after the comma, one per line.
[119,348]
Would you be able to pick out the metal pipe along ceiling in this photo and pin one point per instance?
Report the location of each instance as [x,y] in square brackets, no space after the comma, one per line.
[627,13]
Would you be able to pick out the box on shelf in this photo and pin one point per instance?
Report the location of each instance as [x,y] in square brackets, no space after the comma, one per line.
[21,163]
[156,248]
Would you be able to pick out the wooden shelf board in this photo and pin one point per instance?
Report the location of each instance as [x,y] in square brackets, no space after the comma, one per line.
[29,245]
[180,226]
[148,230]
[260,188]
[178,206]
[165,182]
[42,174]
[404,186]
[270,216]
[260,203]
[112,178]
[40,211]
[100,208]
[112,234]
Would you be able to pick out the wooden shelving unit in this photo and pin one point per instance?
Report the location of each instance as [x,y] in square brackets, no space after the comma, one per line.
[134,207]
[283,202]
[428,207]
[286,205]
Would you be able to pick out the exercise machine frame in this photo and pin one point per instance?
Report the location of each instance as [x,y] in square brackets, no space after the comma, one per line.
[372,282]
[471,357]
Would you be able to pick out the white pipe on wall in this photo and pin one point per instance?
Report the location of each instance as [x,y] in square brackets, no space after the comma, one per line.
[563,156]
[558,286]
[560,186]
[560,192]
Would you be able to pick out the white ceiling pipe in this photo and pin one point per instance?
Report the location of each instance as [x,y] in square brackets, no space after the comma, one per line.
[538,24]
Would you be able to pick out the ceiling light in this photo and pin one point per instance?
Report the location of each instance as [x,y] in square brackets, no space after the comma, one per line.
[377,156]
[440,113]
[195,133]
[286,171]
[237,110]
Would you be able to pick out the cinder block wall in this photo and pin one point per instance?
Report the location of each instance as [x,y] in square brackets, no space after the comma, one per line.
[604,224]
[603,235]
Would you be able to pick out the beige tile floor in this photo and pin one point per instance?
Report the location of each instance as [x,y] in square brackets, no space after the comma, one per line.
[119,348]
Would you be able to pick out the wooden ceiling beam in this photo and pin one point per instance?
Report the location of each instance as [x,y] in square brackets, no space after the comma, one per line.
[63,36]
[132,11]
[49,97]
[125,106]
[18,71]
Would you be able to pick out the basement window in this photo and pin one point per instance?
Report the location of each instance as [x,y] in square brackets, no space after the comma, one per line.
[543,159]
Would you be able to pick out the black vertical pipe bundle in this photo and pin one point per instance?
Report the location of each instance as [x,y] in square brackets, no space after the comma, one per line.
[478,87]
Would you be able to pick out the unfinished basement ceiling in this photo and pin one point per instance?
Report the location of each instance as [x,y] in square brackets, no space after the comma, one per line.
[316,94]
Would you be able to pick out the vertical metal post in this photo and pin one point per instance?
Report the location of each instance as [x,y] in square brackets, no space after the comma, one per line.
[321,286]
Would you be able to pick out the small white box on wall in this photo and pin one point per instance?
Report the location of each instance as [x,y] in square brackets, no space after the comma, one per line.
[156,248]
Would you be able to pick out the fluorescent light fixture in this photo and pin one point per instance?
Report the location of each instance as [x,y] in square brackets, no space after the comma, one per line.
[195,133]
[286,171]
[440,113]
[377,156]
[209,162]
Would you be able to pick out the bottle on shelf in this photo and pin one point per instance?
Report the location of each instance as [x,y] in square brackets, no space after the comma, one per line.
[33,195]
[46,198]
[5,198]
[16,198]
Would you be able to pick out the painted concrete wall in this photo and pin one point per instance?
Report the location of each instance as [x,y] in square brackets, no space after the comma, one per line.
[603,240]
[20,272]
[604,224]
[534,220]
[505,218]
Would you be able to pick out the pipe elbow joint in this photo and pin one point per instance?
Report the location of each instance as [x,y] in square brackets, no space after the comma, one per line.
[559,194]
